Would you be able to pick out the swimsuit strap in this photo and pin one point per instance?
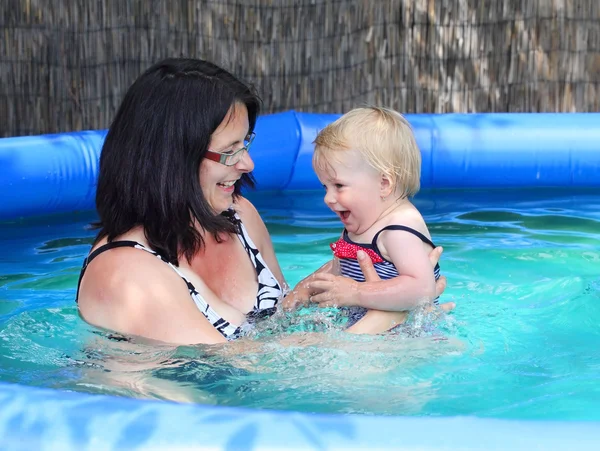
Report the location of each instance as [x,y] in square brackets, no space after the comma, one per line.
[418,234]
[104,248]
[405,229]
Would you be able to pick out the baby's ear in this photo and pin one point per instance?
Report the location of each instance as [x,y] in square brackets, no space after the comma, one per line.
[387,186]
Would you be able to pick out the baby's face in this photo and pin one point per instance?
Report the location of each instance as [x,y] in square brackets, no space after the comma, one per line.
[352,188]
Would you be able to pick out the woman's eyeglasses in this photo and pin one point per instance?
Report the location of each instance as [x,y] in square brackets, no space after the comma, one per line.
[231,157]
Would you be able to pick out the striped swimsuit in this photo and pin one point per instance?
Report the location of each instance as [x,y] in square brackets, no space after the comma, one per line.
[345,250]
[269,290]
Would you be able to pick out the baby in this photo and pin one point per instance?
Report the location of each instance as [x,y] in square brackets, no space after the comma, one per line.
[370,166]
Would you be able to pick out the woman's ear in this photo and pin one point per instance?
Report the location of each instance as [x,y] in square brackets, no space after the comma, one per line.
[387,186]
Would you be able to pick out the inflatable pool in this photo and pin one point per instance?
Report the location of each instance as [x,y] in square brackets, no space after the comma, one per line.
[50,174]
[57,173]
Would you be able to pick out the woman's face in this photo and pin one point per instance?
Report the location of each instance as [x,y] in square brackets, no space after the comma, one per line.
[217,180]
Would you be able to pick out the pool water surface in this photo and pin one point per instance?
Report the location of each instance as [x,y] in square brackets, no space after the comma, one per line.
[523,268]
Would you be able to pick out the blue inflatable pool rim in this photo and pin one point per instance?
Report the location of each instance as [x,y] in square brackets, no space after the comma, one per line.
[57,174]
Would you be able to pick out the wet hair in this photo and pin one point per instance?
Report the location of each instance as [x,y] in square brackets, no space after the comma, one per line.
[385,140]
[150,160]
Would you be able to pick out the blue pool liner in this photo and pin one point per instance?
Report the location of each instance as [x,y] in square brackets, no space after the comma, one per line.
[57,173]
[49,174]
[38,419]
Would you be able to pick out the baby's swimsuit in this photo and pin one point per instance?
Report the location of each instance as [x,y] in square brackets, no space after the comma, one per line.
[269,290]
[345,249]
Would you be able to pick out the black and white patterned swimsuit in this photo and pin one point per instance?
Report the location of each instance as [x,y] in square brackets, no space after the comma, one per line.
[269,292]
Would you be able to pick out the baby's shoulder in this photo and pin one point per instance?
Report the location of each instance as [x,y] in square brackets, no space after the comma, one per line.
[408,216]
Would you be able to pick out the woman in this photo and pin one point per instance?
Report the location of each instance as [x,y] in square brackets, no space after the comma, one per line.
[180,257]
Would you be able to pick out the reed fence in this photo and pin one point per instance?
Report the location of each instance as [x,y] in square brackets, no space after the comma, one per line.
[65,64]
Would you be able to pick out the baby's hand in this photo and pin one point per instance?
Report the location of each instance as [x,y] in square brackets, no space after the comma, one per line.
[329,290]
[296,298]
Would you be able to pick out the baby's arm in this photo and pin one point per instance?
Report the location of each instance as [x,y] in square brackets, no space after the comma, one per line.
[415,284]
[378,321]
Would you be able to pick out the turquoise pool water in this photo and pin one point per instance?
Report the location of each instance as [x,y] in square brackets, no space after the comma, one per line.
[523,268]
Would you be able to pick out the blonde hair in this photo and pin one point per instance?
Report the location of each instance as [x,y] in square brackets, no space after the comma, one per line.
[385,140]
